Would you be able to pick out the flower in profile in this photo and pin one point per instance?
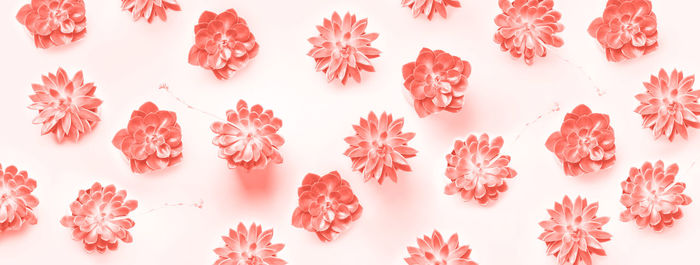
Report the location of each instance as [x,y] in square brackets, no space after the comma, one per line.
[249,246]
[434,250]
[248,138]
[437,81]
[99,218]
[223,43]
[652,197]
[54,22]
[430,7]
[670,105]
[626,30]
[527,27]
[16,200]
[327,206]
[149,9]
[379,148]
[67,107]
[574,233]
[477,170]
[585,143]
[343,48]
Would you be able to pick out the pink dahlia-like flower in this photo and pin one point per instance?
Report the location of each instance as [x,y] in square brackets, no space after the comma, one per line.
[652,197]
[223,43]
[16,200]
[54,22]
[152,140]
[526,27]
[249,246]
[379,147]
[476,169]
[627,29]
[437,81]
[670,105]
[149,9]
[327,206]
[574,232]
[67,107]
[249,137]
[585,143]
[429,7]
[434,250]
[343,48]
[99,218]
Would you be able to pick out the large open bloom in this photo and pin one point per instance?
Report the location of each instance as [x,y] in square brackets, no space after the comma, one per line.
[152,140]
[670,105]
[343,48]
[149,9]
[67,107]
[574,233]
[434,250]
[379,148]
[585,143]
[54,22]
[327,206]
[430,7]
[652,197]
[527,27]
[249,246]
[223,43]
[16,200]
[99,218]
[437,81]
[626,30]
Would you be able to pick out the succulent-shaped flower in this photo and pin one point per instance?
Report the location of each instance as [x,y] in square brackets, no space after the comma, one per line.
[477,170]
[249,246]
[430,7]
[67,107]
[223,43]
[670,105]
[434,250]
[652,197]
[149,9]
[527,27]
[626,30]
[574,233]
[249,138]
[343,49]
[437,81]
[327,206]
[585,143]
[54,22]
[99,218]
[152,140]
[379,148]
[16,200]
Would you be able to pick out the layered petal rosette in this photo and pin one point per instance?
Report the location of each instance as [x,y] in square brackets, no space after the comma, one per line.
[434,250]
[249,246]
[430,7]
[16,200]
[149,9]
[54,22]
[626,30]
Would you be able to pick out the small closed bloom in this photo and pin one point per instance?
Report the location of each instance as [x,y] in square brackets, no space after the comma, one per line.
[343,49]
[54,22]
[585,143]
[652,197]
[437,81]
[327,206]
[67,107]
[430,7]
[99,218]
[573,233]
[149,9]
[249,246]
[16,200]
[626,30]
[434,250]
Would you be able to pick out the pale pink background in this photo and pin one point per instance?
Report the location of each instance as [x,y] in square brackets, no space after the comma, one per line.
[127,61]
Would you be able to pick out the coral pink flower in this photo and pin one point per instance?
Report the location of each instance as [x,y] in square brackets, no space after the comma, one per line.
[526,27]
[16,200]
[99,218]
[67,107]
[434,250]
[476,169]
[249,246]
[54,22]
[223,43]
[152,140]
[429,7]
[437,81]
[627,29]
[670,105]
[585,143]
[379,147]
[149,9]
[327,206]
[343,48]
[574,232]
[249,138]
[652,197]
